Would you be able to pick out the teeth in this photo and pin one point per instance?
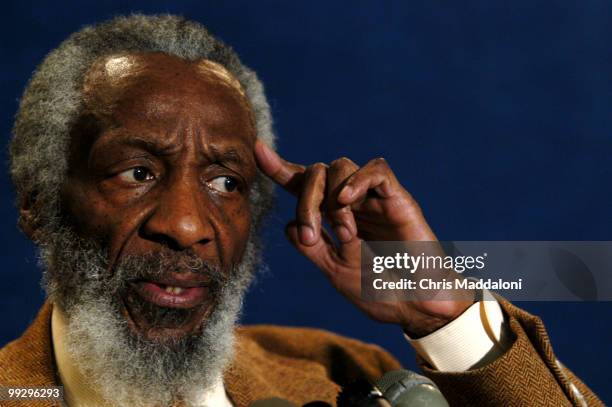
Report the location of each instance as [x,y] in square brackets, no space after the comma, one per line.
[174,290]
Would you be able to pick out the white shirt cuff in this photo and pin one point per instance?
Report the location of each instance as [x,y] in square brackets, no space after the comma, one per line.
[473,339]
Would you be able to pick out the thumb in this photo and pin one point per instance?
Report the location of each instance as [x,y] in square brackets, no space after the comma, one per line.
[283,172]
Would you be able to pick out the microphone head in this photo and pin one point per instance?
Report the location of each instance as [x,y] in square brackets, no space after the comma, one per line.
[404,388]
[272,402]
[391,378]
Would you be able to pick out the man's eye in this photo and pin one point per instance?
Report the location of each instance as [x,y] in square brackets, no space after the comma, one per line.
[136,174]
[223,184]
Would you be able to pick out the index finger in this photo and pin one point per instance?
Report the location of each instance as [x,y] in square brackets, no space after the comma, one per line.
[287,174]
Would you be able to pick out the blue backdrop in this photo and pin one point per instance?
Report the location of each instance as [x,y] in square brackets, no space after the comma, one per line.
[495,115]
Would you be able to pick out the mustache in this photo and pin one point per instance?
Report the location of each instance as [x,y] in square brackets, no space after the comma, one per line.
[160,263]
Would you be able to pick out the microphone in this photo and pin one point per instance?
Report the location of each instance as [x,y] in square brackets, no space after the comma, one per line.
[403,388]
[361,393]
[400,388]
[272,402]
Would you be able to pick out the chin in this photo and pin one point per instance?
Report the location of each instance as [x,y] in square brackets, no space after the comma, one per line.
[160,320]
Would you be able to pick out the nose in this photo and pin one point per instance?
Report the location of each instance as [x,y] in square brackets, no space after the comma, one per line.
[178,219]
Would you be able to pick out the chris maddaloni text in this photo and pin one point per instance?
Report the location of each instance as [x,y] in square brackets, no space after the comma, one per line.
[456,284]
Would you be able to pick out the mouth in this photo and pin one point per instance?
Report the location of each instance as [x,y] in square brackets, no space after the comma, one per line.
[168,307]
[172,294]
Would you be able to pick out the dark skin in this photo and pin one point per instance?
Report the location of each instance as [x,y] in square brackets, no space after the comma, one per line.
[156,174]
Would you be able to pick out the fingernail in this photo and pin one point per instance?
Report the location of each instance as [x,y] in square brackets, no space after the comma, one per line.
[344,235]
[307,234]
[347,191]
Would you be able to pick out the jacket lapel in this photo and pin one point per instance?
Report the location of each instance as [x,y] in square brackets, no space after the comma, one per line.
[29,359]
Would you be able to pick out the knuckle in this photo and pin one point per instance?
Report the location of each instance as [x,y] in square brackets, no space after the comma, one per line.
[343,212]
[416,207]
[315,172]
[339,216]
[379,164]
[379,161]
[305,212]
[318,167]
[308,216]
[341,161]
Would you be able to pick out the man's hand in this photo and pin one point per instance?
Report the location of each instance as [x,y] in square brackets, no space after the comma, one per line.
[366,203]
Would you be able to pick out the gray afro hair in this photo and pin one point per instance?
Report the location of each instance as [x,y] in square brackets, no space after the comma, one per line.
[52,101]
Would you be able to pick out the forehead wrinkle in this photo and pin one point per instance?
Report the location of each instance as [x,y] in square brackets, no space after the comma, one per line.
[172,108]
[153,146]
[117,71]
[112,83]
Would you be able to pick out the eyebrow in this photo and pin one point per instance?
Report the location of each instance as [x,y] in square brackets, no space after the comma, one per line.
[229,156]
[212,153]
[152,147]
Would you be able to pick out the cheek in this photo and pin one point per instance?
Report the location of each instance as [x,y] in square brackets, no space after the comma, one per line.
[87,212]
[95,216]
[235,219]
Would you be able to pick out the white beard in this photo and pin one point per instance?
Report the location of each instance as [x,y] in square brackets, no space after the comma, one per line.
[131,372]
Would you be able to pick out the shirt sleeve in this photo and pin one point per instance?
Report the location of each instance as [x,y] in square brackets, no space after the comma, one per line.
[475,338]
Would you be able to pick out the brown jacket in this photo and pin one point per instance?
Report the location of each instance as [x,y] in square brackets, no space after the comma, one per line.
[304,365]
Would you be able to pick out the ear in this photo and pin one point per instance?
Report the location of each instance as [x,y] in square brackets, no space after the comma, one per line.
[28,219]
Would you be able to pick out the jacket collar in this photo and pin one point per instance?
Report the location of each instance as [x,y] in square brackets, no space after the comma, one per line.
[253,374]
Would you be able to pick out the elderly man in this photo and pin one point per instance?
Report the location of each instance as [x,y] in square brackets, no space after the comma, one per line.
[143,159]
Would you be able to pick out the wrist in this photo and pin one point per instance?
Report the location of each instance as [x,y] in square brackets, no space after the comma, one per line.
[423,323]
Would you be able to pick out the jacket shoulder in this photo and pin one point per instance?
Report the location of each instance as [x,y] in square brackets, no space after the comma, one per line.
[28,360]
[343,359]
